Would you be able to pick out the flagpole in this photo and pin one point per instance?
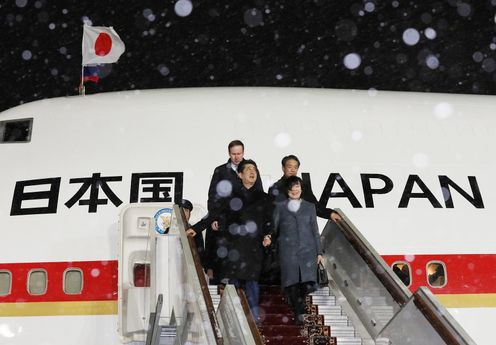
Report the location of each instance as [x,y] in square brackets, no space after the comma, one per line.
[81,84]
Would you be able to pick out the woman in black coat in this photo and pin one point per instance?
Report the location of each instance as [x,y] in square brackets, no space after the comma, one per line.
[295,222]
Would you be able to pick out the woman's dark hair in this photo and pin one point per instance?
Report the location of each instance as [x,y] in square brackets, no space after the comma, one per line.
[291,181]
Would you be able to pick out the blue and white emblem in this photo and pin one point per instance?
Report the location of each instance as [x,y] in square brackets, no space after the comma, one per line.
[163,220]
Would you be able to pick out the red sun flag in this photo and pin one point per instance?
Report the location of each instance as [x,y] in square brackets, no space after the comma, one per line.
[101,44]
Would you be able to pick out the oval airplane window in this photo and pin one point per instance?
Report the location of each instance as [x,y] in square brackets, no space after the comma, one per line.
[5,283]
[37,282]
[73,281]
[436,274]
[403,271]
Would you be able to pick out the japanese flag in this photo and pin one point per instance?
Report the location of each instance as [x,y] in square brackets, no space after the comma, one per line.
[101,44]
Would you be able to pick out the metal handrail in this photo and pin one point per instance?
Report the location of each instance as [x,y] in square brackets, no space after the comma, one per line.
[203,283]
[443,323]
[192,257]
[153,333]
[375,262]
[249,317]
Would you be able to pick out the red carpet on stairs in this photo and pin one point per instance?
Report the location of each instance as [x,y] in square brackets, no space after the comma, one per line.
[278,324]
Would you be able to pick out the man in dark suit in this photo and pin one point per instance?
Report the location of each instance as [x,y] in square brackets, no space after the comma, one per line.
[224,181]
[290,166]
[240,220]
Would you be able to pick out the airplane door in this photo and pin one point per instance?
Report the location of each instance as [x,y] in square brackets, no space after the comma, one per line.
[149,265]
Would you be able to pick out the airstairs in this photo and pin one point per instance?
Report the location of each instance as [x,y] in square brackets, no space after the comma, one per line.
[324,304]
[164,297]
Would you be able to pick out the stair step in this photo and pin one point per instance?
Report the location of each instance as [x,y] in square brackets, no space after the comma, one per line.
[168,331]
[343,331]
[277,319]
[278,309]
[321,292]
[167,335]
[212,289]
[320,299]
[286,340]
[286,330]
[336,321]
[328,309]
[349,341]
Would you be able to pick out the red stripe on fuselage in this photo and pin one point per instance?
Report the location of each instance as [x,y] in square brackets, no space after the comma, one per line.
[465,273]
[99,281]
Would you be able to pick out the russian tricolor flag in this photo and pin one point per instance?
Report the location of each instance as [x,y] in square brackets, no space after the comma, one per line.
[91,73]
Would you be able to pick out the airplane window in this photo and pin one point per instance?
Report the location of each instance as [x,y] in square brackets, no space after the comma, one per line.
[73,281]
[16,131]
[402,270]
[5,283]
[141,274]
[436,274]
[37,282]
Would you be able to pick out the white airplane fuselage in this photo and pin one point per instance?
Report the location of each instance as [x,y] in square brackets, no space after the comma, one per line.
[414,172]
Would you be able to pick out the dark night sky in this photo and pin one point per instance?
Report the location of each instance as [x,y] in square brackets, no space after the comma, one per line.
[436,46]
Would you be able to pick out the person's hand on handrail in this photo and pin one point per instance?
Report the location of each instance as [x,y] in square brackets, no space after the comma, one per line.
[266,241]
[335,217]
